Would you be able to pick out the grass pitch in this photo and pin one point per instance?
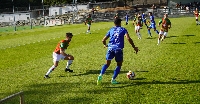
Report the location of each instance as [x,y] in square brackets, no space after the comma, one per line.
[168,73]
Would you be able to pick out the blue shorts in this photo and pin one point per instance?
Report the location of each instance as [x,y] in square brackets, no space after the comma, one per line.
[152,26]
[144,20]
[117,53]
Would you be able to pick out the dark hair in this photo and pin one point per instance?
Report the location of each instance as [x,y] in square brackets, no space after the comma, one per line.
[117,21]
[69,34]
[150,13]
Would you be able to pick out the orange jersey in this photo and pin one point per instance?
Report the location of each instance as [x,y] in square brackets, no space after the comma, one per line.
[196,13]
[63,44]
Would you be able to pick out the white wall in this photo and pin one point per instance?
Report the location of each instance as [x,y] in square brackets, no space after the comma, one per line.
[64,10]
[55,11]
[17,16]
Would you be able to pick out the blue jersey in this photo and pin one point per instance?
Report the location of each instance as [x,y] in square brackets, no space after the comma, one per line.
[143,17]
[116,35]
[152,20]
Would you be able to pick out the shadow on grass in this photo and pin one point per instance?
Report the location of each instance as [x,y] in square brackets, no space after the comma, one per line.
[169,82]
[97,72]
[45,93]
[142,71]
[172,36]
[123,85]
[151,38]
[188,35]
[196,42]
[176,43]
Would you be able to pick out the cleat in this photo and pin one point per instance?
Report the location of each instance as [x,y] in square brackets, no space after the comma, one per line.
[68,70]
[46,76]
[114,82]
[99,80]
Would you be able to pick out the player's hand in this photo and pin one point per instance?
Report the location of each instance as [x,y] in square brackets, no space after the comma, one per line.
[105,46]
[136,50]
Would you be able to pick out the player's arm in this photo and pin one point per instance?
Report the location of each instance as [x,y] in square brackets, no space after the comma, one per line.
[104,41]
[131,42]
[159,23]
[62,51]
[170,24]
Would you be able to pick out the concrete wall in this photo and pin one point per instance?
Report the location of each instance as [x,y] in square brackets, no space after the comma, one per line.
[16,16]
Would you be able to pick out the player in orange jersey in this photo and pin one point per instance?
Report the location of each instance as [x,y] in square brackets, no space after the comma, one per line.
[138,23]
[196,13]
[165,26]
[59,53]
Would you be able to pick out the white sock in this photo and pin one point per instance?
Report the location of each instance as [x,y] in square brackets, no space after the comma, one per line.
[69,63]
[138,34]
[50,70]
[158,41]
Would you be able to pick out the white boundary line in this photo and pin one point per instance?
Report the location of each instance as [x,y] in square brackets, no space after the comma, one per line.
[48,39]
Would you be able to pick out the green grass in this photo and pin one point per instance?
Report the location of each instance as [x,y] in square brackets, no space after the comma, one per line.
[168,73]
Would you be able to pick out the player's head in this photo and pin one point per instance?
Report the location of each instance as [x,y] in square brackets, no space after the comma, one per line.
[117,22]
[89,15]
[69,36]
[196,9]
[165,15]
[150,13]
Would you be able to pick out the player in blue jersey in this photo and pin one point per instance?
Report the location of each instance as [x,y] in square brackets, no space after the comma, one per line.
[115,49]
[144,19]
[152,24]
[126,17]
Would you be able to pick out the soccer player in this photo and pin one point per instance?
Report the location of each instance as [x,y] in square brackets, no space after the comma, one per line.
[88,21]
[166,24]
[137,22]
[152,24]
[126,17]
[59,53]
[115,49]
[144,19]
[196,13]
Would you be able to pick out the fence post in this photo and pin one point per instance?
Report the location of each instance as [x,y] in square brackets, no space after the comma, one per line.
[22,98]
[14,95]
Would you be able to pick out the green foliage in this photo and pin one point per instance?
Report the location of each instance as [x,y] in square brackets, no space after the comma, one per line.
[168,73]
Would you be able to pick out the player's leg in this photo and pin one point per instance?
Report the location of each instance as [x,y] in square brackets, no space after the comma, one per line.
[70,59]
[126,22]
[149,32]
[56,59]
[160,36]
[119,60]
[138,32]
[164,36]
[197,23]
[154,27]
[88,28]
[145,22]
[109,56]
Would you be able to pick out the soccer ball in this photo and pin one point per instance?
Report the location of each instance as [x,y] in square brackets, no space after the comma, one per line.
[130,75]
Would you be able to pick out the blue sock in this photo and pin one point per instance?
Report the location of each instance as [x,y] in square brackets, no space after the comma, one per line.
[149,32]
[104,67]
[116,72]
[157,32]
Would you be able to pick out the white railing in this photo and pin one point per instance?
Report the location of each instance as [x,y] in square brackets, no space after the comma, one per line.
[20,94]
